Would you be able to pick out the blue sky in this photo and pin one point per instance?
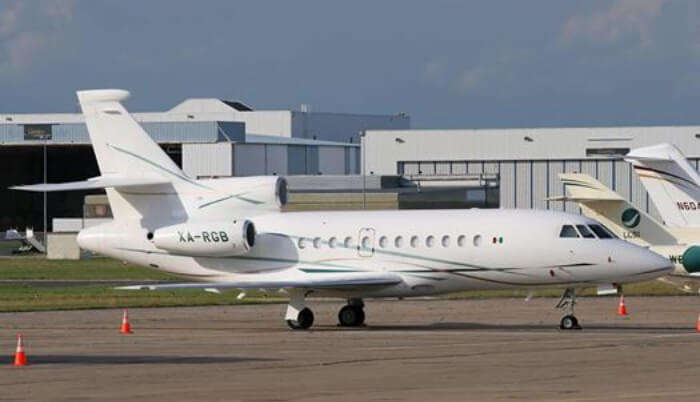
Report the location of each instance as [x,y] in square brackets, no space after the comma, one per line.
[449,64]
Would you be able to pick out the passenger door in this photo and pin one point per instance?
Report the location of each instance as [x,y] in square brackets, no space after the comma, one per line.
[365,242]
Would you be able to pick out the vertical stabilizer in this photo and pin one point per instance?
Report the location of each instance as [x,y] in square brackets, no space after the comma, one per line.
[672,183]
[121,146]
[609,208]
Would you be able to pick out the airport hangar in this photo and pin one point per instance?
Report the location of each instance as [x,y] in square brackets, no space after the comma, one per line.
[206,137]
[321,153]
[525,161]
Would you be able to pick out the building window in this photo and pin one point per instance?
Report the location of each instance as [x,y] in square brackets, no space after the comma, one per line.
[34,132]
[607,152]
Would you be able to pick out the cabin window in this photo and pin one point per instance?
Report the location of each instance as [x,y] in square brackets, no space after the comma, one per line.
[568,231]
[332,242]
[446,241]
[430,241]
[398,242]
[476,240]
[317,242]
[461,240]
[365,242]
[601,232]
[302,243]
[348,242]
[585,232]
[414,241]
[383,242]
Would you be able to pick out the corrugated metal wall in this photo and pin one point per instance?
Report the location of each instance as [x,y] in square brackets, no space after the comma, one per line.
[528,184]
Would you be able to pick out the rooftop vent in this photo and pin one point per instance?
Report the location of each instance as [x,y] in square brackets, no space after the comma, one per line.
[238,105]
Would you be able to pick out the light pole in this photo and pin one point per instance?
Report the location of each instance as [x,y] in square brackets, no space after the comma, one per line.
[364,172]
[45,180]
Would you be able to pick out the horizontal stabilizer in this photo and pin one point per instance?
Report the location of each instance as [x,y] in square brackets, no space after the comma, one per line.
[280,280]
[93,183]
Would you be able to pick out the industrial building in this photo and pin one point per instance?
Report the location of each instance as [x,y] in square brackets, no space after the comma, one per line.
[525,161]
[206,137]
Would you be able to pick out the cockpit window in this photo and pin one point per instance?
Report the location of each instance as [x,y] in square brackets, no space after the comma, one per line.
[585,232]
[568,231]
[601,232]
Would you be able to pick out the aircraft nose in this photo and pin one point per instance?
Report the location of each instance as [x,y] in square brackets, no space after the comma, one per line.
[651,265]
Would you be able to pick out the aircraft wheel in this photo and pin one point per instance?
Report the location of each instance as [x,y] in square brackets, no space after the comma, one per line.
[304,320]
[351,316]
[569,322]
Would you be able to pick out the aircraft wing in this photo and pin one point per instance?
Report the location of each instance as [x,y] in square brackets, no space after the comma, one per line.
[285,279]
[93,183]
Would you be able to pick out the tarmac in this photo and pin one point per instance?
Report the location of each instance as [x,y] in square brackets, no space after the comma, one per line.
[425,350]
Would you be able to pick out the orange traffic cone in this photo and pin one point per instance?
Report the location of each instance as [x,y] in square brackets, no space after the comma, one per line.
[621,308]
[697,326]
[126,327]
[20,357]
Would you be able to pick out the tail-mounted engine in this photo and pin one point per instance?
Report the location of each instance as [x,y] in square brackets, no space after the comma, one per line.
[210,239]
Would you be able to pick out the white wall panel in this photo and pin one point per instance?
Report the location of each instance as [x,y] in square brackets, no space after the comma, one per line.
[605,172]
[523,185]
[443,168]
[539,184]
[507,189]
[207,159]
[623,178]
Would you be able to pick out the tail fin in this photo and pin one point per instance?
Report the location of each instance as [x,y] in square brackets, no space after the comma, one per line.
[606,206]
[121,146]
[672,183]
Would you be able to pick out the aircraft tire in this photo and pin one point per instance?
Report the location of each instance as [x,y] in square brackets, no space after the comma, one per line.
[351,316]
[569,322]
[304,320]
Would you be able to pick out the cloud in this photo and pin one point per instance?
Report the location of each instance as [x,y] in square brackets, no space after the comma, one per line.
[27,31]
[624,19]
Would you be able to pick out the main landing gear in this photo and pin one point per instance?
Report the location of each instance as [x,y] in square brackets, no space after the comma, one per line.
[352,314]
[567,302]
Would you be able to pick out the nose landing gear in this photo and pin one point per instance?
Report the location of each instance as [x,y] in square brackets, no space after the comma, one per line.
[567,302]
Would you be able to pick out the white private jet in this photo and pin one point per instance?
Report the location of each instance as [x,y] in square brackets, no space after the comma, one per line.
[672,184]
[230,234]
[612,210]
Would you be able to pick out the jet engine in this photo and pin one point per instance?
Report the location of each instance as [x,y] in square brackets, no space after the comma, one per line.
[209,239]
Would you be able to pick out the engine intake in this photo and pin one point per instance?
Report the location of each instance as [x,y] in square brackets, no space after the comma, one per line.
[210,239]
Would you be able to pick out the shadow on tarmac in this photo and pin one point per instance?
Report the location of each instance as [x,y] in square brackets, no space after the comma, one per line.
[109,359]
[468,326]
